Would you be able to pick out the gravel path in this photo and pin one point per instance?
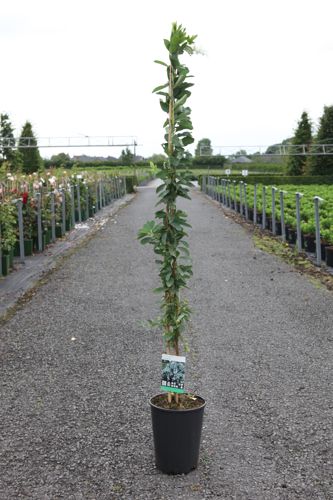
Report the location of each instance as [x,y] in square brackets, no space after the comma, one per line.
[78,367]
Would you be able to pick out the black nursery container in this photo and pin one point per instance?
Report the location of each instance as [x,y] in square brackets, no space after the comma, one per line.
[177,435]
[329,256]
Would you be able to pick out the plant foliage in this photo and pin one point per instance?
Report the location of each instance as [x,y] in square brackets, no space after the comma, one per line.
[303,135]
[322,164]
[32,161]
[167,232]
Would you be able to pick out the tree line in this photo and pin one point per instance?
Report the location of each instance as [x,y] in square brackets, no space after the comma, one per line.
[312,164]
[29,160]
[22,159]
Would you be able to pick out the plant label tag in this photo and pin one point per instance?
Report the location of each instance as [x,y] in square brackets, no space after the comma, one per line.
[173,373]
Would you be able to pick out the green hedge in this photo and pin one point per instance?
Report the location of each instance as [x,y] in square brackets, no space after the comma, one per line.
[276,179]
[265,168]
[207,161]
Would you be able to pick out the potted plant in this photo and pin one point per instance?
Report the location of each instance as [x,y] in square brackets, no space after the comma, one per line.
[8,222]
[176,416]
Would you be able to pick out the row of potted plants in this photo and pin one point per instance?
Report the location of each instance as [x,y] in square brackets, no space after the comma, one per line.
[54,195]
[255,197]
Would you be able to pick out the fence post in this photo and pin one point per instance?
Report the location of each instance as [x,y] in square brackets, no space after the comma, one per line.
[63,211]
[298,221]
[229,195]
[274,189]
[125,190]
[283,226]
[255,204]
[103,192]
[112,189]
[21,231]
[245,202]
[73,205]
[39,222]
[100,194]
[78,202]
[241,197]
[53,237]
[235,197]
[87,201]
[317,199]
[263,207]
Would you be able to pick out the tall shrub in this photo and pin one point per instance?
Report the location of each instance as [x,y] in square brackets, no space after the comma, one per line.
[167,232]
[31,158]
[7,136]
[321,164]
[303,135]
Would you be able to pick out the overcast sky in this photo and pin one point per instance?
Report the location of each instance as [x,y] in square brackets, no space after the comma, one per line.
[76,68]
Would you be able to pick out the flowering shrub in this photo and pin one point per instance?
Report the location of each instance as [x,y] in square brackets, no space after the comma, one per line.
[27,188]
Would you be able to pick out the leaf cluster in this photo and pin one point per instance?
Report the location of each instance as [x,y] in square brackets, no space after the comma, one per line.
[167,232]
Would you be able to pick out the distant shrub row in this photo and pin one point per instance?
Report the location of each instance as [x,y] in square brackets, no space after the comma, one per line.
[278,179]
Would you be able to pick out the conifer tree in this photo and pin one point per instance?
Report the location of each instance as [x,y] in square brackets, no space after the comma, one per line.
[303,135]
[31,158]
[321,164]
[7,136]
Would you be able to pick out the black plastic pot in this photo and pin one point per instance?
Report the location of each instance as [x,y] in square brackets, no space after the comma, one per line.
[177,435]
[310,243]
[291,235]
[329,256]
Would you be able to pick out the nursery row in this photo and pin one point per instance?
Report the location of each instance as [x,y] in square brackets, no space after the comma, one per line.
[35,210]
[303,217]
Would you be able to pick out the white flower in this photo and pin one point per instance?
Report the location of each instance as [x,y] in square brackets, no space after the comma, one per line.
[79,176]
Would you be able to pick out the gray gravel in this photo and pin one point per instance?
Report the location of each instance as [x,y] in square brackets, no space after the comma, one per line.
[78,367]
[27,274]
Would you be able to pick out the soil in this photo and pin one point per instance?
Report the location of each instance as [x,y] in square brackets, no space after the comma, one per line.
[186,402]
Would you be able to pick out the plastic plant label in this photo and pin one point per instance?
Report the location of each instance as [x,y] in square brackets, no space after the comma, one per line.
[228,171]
[245,173]
[173,373]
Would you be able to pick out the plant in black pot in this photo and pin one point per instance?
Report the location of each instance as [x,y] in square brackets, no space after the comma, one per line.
[176,416]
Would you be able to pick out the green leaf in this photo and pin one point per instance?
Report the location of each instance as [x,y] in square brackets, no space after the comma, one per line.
[181,101]
[160,188]
[160,87]
[164,106]
[145,239]
[160,62]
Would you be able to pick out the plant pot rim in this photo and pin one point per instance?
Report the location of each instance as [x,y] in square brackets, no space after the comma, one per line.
[172,410]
